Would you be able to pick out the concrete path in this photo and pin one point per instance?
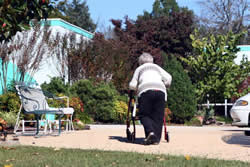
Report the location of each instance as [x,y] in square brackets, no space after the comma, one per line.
[225,142]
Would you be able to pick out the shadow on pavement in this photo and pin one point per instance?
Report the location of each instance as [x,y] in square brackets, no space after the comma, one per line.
[238,139]
[125,140]
[234,130]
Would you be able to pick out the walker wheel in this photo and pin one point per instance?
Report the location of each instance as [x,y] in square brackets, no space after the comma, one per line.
[167,137]
[133,137]
[129,135]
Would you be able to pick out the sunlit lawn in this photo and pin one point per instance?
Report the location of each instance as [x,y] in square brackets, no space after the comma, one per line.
[50,157]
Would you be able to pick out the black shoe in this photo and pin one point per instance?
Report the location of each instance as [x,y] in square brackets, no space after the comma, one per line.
[151,139]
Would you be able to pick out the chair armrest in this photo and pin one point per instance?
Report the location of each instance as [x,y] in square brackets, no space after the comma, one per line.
[59,112]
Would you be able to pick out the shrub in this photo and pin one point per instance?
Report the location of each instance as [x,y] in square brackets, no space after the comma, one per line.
[9,102]
[193,122]
[9,117]
[77,104]
[74,102]
[181,95]
[121,109]
[56,86]
[98,99]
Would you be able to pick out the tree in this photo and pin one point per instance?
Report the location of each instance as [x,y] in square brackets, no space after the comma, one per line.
[135,45]
[181,95]
[167,27]
[212,67]
[168,33]
[16,15]
[100,60]
[56,86]
[223,16]
[77,13]
[164,8]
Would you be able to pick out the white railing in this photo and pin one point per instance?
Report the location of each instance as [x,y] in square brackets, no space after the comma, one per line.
[208,104]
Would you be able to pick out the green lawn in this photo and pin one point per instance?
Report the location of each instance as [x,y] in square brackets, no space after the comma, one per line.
[49,157]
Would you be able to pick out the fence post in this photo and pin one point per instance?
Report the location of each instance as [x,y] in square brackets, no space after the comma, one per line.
[225,107]
[208,101]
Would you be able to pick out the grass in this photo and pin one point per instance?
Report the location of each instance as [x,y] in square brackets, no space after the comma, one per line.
[227,120]
[49,157]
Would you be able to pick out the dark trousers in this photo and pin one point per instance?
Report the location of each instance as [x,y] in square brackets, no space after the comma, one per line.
[151,111]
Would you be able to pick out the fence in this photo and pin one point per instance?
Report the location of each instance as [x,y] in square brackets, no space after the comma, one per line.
[208,104]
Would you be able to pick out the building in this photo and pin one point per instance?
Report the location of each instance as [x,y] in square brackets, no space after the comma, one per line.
[244,50]
[49,67]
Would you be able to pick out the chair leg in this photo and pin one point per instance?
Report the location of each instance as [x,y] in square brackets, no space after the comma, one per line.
[45,126]
[37,124]
[23,124]
[71,122]
[59,130]
[50,126]
[17,120]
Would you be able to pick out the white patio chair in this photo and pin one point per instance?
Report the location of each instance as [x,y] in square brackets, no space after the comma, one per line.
[33,101]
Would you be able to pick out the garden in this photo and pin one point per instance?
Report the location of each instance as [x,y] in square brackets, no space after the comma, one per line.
[95,74]
[98,72]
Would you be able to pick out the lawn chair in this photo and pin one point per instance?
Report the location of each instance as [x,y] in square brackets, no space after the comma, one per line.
[33,101]
[50,118]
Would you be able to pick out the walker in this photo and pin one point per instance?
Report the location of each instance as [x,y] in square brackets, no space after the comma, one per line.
[131,116]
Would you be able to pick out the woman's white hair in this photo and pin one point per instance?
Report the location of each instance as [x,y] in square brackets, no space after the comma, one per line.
[145,58]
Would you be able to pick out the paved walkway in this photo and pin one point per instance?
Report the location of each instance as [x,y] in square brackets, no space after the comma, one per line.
[227,143]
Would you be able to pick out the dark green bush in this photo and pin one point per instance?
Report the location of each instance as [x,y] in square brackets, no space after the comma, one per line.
[181,95]
[99,99]
[56,86]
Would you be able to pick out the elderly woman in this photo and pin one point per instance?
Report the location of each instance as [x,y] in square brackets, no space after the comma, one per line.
[150,82]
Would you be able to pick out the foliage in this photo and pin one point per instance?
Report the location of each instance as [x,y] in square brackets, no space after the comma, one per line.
[167,27]
[170,34]
[9,117]
[9,102]
[102,60]
[16,15]
[121,109]
[164,7]
[79,125]
[181,97]
[83,117]
[77,13]
[56,86]
[193,122]
[168,115]
[136,46]
[77,104]
[114,59]
[98,99]
[212,67]
[59,89]
[227,120]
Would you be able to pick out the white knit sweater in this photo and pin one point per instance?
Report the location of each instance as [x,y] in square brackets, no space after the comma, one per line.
[150,76]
